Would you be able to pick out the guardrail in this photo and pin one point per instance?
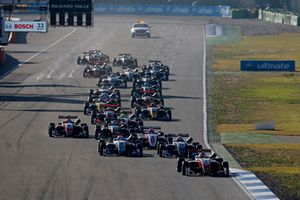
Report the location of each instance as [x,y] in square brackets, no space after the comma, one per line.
[179,10]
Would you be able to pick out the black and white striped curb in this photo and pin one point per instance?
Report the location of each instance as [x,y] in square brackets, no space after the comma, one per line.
[255,187]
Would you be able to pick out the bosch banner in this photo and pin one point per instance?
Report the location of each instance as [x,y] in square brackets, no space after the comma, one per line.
[25,26]
[264,65]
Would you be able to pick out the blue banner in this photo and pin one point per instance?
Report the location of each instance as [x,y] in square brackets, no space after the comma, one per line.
[179,10]
[274,65]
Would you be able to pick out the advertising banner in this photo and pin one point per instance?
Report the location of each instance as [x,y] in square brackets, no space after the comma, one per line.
[25,26]
[179,10]
[64,6]
[273,65]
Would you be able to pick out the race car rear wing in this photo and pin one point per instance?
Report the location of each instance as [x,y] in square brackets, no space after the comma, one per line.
[124,54]
[67,117]
[149,127]
[206,150]
[152,61]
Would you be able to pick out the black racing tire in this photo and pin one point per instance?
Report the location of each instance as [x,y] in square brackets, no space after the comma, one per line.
[86,105]
[180,160]
[183,168]
[148,35]
[87,134]
[226,168]
[140,149]
[132,35]
[161,149]
[169,115]
[125,84]
[50,129]
[101,146]
[214,168]
[157,148]
[92,118]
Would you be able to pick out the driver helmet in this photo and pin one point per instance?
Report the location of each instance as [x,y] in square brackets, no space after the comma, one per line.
[151,130]
[179,139]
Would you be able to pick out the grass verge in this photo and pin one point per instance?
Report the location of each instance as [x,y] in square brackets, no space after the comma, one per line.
[237,100]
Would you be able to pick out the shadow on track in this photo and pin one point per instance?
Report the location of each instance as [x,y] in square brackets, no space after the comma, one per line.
[44,110]
[179,97]
[39,98]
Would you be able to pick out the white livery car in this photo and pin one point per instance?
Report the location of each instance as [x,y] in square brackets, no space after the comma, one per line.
[140,29]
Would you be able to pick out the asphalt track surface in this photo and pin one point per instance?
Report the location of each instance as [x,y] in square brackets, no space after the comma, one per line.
[45,82]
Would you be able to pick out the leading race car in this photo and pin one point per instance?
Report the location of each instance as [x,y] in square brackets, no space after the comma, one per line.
[120,146]
[125,60]
[93,57]
[205,163]
[68,128]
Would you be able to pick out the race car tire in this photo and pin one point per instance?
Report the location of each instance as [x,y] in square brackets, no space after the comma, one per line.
[184,168]
[86,129]
[101,146]
[140,149]
[179,164]
[50,130]
[161,149]
[94,115]
[125,84]
[167,77]
[169,112]
[135,63]
[148,35]
[157,148]
[226,168]
[86,105]
[132,35]
[214,168]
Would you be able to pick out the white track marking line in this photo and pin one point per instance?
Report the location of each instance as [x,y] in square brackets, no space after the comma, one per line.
[42,51]
[71,74]
[61,76]
[40,77]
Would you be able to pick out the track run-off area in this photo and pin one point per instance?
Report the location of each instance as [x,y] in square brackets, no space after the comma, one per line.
[42,81]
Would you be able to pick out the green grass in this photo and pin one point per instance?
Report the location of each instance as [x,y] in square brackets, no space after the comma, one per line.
[278,165]
[237,100]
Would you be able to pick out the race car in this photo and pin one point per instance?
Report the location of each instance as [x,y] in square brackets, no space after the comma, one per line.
[152,138]
[93,57]
[205,163]
[97,71]
[120,146]
[157,70]
[140,29]
[146,101]
[125,60]
[154,112]
[112,81]
[131,74]
[68,128]
[178,147]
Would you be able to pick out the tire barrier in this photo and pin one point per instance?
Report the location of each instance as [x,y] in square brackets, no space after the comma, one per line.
[279,17]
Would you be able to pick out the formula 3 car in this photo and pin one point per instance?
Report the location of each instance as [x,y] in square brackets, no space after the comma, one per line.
[120,146]
[68,128]
[175,145]
[205,163]
[125,60]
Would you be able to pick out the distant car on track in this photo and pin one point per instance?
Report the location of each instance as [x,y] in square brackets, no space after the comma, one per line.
[140,29]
